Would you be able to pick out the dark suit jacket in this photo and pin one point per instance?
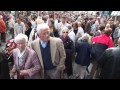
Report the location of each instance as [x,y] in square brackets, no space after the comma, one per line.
[4,69]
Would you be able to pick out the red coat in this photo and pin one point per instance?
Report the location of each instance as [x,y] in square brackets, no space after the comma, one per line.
[103,39]
[2,26]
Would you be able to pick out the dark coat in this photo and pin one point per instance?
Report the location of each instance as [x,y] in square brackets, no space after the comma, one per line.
[4,69]
[69,49]
[55,32]
[83,49]
[110,64]
[27,32]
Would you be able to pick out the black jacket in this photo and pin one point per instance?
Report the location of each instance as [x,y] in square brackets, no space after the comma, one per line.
[83,49]
[4,69]
[110,64]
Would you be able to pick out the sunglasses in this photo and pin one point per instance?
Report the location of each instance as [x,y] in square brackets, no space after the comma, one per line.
[65,32]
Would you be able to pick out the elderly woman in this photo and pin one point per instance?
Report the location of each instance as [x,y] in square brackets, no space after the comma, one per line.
[26,62]
[82,60]
[69,49]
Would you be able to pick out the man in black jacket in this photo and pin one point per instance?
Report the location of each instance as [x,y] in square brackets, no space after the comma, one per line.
[110,64]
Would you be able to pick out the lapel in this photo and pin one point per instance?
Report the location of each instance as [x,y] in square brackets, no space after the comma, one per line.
[16,56]
[38,50]
[52,49]
[26,55]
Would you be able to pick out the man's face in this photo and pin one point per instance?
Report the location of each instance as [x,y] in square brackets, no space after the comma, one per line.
[49,23]
[63,20]
[18,21]
[55,16]
[44,35]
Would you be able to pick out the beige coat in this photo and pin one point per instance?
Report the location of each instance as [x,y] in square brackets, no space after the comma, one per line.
[58,55]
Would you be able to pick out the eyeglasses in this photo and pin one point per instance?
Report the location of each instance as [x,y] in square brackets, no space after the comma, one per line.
[65,32]
[47,33]
[21,43]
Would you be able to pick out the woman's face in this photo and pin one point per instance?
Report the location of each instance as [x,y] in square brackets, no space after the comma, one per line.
[21,44]
[65,33]
[49,23]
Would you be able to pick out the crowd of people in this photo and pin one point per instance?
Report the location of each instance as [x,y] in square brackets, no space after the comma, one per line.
[46,45]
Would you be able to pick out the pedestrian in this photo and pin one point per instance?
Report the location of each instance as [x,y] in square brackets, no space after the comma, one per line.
[69,50]
[51,53]
[2,29]
[110,64]
[100,44]
[26,62]
[82,60]
[19,27]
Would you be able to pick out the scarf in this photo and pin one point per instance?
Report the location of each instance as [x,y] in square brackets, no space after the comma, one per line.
[64,39]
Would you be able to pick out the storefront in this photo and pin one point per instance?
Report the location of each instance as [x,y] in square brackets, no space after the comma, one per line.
[115,15]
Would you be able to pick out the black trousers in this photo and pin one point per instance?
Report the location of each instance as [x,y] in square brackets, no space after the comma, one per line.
[3,37]
[4,68]
[12,32]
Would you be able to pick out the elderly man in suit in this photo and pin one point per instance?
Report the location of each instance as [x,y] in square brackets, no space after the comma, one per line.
[51,53]
[26,62]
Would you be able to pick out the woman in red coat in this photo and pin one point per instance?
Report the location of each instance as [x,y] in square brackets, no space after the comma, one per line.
[2,29]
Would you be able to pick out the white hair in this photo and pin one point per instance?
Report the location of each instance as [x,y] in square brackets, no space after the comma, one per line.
[21,37]
[41,27]
[85,36]
[65,28]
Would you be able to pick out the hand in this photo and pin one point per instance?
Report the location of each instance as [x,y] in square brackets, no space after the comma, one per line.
[12,74]
[5,51]
[23,72]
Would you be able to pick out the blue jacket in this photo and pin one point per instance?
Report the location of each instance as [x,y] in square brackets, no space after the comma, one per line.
[83,49]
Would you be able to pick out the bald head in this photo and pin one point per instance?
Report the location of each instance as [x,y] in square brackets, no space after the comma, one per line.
[108,31]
